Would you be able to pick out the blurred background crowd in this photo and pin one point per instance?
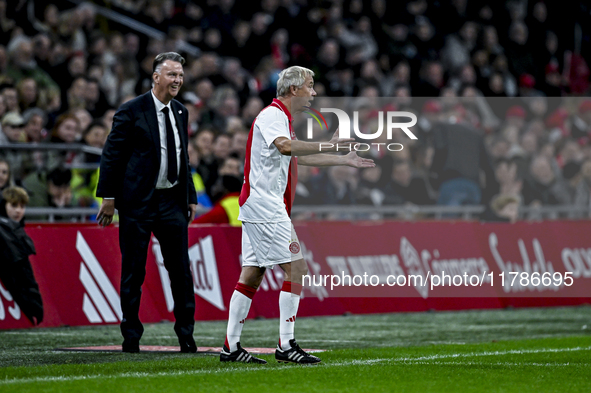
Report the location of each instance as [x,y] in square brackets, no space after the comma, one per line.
[65,68]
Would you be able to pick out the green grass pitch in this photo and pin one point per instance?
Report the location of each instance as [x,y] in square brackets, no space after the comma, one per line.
[513,350]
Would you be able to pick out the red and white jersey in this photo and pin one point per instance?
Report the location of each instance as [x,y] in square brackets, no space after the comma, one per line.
[269,176]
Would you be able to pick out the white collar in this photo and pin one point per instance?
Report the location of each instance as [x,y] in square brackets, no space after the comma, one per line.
[159,104]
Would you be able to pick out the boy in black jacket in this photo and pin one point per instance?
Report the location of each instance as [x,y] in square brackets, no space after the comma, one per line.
[16,272]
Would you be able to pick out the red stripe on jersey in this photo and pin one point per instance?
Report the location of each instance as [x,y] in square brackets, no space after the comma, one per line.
[292,176]
[292,181]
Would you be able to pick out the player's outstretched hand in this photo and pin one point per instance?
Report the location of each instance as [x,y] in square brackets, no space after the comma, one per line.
[344,142]
[352,159]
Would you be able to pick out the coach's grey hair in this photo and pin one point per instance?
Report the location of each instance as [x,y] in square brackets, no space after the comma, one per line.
[162,57]
[292,76]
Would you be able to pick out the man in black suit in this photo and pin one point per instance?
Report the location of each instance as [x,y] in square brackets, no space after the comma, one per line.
[150,184]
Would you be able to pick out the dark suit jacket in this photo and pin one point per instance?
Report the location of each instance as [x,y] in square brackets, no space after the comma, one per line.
[131,157]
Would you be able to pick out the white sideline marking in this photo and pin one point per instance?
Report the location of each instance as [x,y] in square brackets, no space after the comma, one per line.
[492,364]
[412,361]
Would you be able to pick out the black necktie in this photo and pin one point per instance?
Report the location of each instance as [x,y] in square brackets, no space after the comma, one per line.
[170,148]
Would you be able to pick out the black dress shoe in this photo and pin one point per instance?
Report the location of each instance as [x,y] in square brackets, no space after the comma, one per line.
[130,346]
[187,344]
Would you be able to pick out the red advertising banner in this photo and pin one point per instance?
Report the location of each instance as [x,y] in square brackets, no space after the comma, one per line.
[359,267]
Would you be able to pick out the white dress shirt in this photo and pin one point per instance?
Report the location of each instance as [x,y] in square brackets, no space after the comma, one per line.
[163,172]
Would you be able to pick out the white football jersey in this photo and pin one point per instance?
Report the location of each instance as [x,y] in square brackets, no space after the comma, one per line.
[269,176]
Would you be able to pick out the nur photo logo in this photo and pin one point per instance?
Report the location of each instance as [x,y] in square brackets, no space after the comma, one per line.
[316,115]
[363,122]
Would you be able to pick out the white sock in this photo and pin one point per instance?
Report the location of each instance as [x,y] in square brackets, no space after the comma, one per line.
[288,309]
[239,307]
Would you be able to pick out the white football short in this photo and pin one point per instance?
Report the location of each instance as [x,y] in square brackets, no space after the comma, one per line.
[269,244]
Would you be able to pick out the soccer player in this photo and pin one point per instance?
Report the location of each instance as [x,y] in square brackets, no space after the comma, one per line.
[268,236]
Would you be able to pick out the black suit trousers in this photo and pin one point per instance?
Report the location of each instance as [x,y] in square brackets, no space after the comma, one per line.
[168,221]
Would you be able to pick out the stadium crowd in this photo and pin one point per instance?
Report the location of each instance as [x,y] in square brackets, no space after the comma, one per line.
[64,70]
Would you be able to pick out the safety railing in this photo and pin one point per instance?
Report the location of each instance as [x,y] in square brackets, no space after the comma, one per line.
[76,147]
[352,212]
[414,212]
[70,214]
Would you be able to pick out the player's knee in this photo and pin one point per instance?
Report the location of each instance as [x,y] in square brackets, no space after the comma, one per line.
[252,276]
[298,271]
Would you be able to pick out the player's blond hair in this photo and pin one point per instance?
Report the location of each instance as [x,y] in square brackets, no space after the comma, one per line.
[292,76]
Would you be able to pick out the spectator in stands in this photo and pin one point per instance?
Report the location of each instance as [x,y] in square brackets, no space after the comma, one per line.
[518,51]
[28,94]
[33,160]
[225,103]
[508,179]
[226,209]
[194,160]
[432,81]
[238,79]
[336,186]
[569,151]
[107,118]
[10,94]
[5,175]
[238,144]
[553,82]
[208,165]
[75,96]
[51,189]
[304,193]
[329,56]
[95,135]
[6,24]
[575,189]
[529,143]
[16,272]
[221,147]
[459,156]
[2,108]
[230,166]
[204,91]
[85,179]
[13,128]
[3,62]
[359,42]
[250,110]
[543,187]
[405,188]
[83,116]
[66,130]
[503,208]
[371,187]
[458,47]
[14,134]
[42,52]
[22,64]
[583,196]
[35,119]
[50,23]
[96,102]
